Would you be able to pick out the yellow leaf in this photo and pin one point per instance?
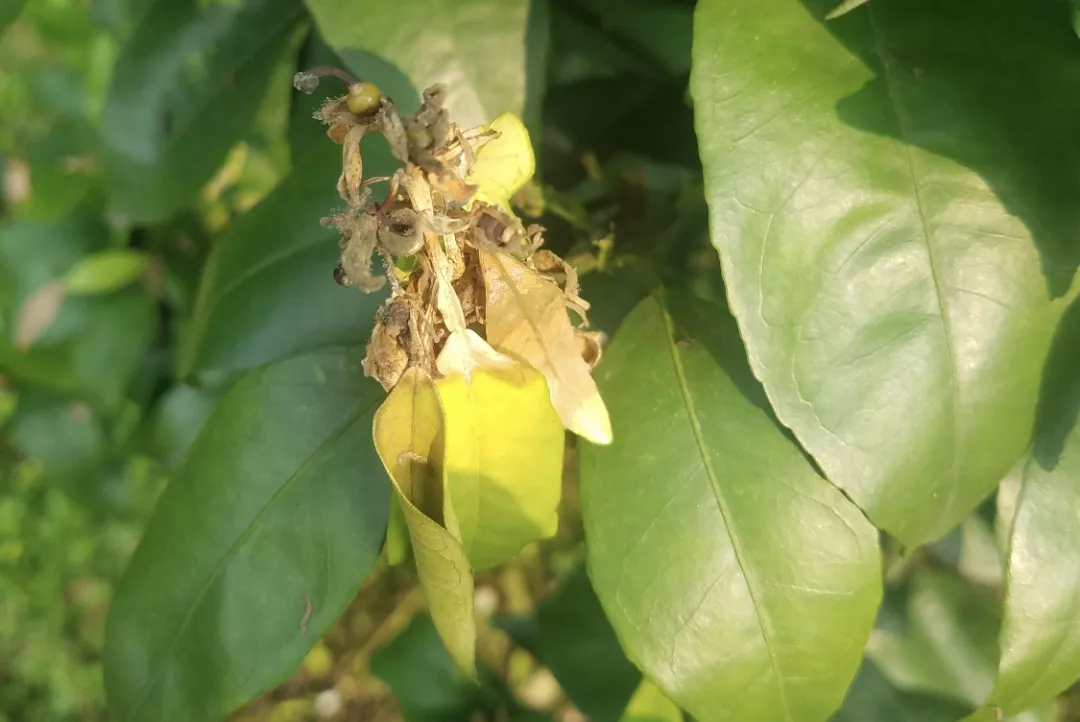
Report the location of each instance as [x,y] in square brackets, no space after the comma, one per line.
[397,535]
[503,450]
[650,705]
[408,437]
[527,318]
[505,163]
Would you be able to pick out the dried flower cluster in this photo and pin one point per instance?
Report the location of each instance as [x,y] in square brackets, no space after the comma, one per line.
[448,213]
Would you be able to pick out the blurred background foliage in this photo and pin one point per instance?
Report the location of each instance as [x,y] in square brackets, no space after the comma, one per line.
[114,195]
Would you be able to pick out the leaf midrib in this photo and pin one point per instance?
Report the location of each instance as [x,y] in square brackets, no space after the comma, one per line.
[249,530]
[725,514]
[935,272]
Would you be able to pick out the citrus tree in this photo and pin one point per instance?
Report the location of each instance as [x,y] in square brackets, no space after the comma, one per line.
[523,360]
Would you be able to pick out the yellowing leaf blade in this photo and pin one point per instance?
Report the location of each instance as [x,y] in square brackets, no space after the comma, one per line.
[408,432]
[505,163]
[503,450]
[527,318]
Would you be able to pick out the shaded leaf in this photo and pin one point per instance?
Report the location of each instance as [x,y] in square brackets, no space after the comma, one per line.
[741,582]
[93,345]
[895,220]
[268,290]
[105,271]
[256,546]
[947,646]
[527,318]
[185,88]
[503,450]
[408,433]
[65,437]
[570,635]
[476,48]
[180,415]
[1040,635]
[871,697]
[9,10]
[428,685]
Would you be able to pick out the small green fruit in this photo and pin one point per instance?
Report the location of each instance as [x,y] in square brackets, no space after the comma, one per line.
[363,98]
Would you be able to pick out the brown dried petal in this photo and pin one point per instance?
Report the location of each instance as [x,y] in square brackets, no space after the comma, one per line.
[356,255]
[385,360]
[352,169]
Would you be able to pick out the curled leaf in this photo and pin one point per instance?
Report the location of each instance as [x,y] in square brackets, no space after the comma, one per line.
[105,271]
[527,318]
[503,456]
[408,433]
[503,164]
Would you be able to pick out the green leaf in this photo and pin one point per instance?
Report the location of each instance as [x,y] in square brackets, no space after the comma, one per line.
[872,699]
[105,272]
[65,437]
[570,635]
[741,582]
[1040,635]
[428,685]
[408,431]
[9,10]
[186,86]
[895,218]
[267,290]
[650,705]
[502,451]
[476,48]
[947,646]
[181,414]
[256,546]
[94,345]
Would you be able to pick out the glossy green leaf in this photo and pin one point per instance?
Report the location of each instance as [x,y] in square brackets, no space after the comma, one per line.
[502,450]
[892,194]
[476,48]
[570,635]
[408,431]
[1040,636]
[948,646]
[105,271]
[741,582]
[186,86]
[650,705]
[256,546]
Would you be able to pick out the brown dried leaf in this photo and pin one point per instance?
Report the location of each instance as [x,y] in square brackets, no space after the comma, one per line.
[387,356]
[37,314]
[527,318]
[352,168]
